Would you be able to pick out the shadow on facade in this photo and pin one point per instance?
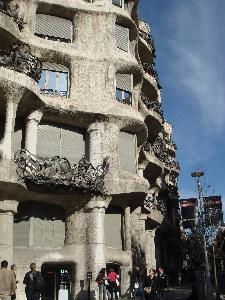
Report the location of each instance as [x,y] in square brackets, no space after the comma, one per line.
[138,256]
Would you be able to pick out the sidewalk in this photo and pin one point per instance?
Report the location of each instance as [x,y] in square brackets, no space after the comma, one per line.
[178,293]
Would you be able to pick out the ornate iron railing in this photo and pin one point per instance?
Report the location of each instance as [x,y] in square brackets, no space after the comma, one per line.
[12,11]
[174,164]
[153,105]
[53,93]
[159,149]
[58,176]
[149,39]
[20,59]
[173,179]
[152,202]
[150,69]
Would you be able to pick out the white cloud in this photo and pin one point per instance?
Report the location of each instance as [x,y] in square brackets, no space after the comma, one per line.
[197,54]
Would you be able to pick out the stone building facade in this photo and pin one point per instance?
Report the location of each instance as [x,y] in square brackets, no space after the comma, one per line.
[87,163]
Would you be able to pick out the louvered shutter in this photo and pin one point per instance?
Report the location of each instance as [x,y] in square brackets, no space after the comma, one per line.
[122,37]
[124,82]
[59,233]
[52,26]
[113,235]
[21,234]
[72,145]
[127,152]
[48,234]
[48,141]
[38,228]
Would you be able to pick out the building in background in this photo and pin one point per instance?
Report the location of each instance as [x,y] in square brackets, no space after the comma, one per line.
[77,79]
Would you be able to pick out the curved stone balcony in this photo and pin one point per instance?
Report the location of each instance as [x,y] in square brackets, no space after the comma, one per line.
[11,10]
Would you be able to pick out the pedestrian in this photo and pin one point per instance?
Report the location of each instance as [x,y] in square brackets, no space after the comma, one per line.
[34,283]
[112,277]
[162,284]
[150,286]
[13,268]
[7,282]
[101,281]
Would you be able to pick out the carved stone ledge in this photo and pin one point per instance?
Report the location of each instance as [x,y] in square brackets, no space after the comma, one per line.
[12,11]
[56,175]
[152,202]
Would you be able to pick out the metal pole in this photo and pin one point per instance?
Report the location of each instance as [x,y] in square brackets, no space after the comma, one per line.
[208,287]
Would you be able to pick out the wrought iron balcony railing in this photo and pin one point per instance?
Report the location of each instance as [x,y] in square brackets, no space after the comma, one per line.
[153,105]
[53,93]
[152,202]
[56,175]
[158,148]
[150,69]
[149,39]
[20,59]
[174,164]
[12,11]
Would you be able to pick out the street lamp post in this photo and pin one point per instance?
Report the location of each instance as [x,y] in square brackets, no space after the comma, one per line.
[208,287]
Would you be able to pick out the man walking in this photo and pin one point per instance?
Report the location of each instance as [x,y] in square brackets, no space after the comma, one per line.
[7,282]
[162,284]
[34,283]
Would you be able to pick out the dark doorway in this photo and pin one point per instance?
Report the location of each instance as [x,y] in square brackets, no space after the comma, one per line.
[116,267]
[57,281]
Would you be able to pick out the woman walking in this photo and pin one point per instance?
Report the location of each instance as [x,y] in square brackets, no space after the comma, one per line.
[101,278]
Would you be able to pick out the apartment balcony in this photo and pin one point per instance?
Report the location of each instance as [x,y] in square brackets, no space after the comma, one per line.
[56,175]
[147,37]
[11,10]
[152,105]
[20,59]
[159,150]
[150,69]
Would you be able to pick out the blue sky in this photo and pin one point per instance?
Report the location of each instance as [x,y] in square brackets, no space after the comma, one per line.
[190,48]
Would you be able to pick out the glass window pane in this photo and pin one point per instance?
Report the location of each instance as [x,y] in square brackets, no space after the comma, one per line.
[51,80]
[127,97]
[117,2]
[42,80]
[63,82]
[119,95]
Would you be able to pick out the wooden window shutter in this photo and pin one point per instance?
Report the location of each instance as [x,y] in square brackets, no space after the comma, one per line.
[38,228]
[124,82]
[122,37]
[113,235]
[127,152]
[52,26]
[72,144]
[48,141]
[21,234]
[48,234]
[59,233]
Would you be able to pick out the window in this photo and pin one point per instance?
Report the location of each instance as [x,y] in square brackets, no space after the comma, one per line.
[114,227]
[66,142]
[120,3]
[54,80]
[128,152]
[124,83]
[122,37]
[53,28]
[39,225]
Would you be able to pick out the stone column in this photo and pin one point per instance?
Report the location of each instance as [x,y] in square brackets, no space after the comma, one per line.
[31,131]
[7,209]
[6,147]
[127,228]
[85,232]
[150,249]
[95,132]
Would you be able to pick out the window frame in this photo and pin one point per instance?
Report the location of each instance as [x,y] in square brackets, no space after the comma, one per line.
[57,83]
[130,92]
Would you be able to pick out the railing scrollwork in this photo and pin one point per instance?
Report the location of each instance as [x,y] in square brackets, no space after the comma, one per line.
[20,59]
[153,105]
[58,176]
[11,10]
